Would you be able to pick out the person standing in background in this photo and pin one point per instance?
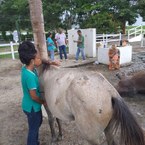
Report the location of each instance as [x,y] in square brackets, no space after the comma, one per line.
[51,46]
[60,38]
[80,45]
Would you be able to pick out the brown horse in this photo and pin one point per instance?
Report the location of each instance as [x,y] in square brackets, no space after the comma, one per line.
[89,100]
[130,85]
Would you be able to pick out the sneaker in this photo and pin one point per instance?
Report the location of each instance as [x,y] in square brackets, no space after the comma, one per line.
[83,60]
[76,61]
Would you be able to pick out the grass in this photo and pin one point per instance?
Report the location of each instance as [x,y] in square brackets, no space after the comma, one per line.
[7,48]
[9,56]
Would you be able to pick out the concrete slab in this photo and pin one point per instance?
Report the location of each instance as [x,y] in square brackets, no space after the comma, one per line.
[70,63]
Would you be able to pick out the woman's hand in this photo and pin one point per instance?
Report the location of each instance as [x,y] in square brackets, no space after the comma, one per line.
[57,63]
[44,104]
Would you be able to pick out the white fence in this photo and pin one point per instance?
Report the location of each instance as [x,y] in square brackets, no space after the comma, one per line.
[12,51]
[106,38]
[135,31]
[136,34]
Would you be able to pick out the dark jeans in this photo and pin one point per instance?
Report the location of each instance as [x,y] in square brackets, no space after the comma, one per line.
[34,122]
[62,49]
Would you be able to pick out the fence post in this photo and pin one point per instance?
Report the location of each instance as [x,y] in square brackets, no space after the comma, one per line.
[141,40]
[128,34]
[103,40]
[106,43]
[12,50]
[120,37]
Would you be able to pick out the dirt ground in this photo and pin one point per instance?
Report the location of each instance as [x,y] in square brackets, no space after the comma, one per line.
[13,123]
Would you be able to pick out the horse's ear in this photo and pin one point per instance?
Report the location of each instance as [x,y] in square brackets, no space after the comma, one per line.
[120,75]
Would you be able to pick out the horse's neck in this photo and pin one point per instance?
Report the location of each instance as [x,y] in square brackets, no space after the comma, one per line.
[46,74]
[42,71]
[53,67]
[51,71]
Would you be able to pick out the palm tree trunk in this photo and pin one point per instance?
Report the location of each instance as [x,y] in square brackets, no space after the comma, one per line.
[37,22]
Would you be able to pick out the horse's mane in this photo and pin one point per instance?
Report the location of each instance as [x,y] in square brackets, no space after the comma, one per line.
[46,66]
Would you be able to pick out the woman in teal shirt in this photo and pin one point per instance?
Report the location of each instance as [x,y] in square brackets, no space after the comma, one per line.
[51,46]
[31,101]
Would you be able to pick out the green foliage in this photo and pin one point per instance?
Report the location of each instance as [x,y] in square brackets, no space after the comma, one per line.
[52,11]
[141,8]
[108,15]
[12,11]
[104,15]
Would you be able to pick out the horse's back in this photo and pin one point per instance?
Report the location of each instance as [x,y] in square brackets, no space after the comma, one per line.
[93,93]
[91,88]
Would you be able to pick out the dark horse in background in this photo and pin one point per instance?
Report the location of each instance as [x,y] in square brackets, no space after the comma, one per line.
[131,85]
[89,100]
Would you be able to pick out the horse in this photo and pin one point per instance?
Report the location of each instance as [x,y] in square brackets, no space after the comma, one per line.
[88,99]
[131,85]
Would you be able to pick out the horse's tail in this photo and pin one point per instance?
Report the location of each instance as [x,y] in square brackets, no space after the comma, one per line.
[131,132]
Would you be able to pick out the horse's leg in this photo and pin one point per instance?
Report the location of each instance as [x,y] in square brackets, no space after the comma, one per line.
[60,129]
[51,121]
[109,136]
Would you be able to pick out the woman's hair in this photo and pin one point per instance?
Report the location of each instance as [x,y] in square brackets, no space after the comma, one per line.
[27,52]
[49,34]
[113,46]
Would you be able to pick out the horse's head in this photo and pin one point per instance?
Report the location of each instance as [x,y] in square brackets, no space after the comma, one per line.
[125,85]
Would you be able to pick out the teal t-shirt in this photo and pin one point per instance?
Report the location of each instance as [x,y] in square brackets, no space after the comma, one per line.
[81,44]
[52,46]
[30,81]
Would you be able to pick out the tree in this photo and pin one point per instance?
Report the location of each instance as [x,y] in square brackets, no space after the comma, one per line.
[37,22]
[17,11]
[104,15]
[124,11]
[110,13]
[52,11]
[141,7]
[12,11]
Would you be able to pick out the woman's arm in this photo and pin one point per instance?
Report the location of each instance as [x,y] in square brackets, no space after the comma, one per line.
[50,44]
[36,98]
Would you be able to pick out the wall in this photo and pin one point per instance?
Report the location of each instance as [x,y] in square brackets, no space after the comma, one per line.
[125,55]
[89,41]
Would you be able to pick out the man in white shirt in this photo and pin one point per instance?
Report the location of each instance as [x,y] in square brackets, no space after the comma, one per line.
[60,38]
